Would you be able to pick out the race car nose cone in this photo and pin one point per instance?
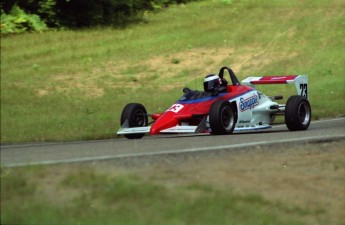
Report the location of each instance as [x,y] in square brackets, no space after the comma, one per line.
[167,120]
[154,130]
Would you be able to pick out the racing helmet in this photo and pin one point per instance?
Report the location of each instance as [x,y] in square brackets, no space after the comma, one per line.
[212,82]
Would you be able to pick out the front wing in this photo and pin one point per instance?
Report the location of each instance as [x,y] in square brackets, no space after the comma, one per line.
[182,129]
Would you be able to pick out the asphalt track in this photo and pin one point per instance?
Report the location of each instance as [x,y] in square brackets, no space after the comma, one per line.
[88,151]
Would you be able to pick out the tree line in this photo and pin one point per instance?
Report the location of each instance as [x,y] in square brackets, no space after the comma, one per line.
[39,15]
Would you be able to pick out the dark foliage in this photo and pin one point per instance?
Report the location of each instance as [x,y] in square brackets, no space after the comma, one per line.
[88,13]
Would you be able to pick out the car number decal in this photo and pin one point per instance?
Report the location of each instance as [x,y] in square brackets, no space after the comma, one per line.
[175,108]
[304,90]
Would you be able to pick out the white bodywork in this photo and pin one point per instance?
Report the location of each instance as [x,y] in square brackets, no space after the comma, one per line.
[260,110]
[256,114]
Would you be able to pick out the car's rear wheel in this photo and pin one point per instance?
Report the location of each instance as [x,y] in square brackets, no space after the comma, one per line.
[297,113]
[221,118]
[134,115]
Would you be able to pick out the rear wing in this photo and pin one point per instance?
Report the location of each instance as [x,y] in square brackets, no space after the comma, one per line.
[300,81]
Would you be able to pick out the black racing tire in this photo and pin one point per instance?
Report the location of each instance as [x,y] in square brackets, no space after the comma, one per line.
[136,116]
[297,113]
[222,118]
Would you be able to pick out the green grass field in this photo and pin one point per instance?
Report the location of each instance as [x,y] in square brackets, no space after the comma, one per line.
[292,185]
[72,85]
[129,200]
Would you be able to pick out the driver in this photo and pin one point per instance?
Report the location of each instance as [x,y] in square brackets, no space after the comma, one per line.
[213,84]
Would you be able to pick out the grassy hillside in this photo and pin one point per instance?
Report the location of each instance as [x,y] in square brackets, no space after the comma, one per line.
[72,85]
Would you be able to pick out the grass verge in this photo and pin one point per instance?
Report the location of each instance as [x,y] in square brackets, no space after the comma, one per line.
[99,198]
[276,185]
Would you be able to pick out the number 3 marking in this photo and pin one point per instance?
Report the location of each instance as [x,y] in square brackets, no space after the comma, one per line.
[175,108]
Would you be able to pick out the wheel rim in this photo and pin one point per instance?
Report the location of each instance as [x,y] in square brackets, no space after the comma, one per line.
[227,118]
[139,118]
[304,113]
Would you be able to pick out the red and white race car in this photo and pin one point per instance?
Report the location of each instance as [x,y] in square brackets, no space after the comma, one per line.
[222,108]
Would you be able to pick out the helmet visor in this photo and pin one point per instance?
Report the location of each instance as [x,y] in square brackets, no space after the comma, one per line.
[211,83]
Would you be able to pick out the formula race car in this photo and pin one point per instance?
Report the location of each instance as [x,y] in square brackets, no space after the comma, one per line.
[222,108]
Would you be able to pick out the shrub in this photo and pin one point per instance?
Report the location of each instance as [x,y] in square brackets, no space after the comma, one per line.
[86,13]
[36,15]
[17,21]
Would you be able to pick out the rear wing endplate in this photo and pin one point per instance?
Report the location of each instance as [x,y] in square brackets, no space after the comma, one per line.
[300,81]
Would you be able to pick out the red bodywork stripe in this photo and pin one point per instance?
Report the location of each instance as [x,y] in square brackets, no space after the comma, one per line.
[274,79]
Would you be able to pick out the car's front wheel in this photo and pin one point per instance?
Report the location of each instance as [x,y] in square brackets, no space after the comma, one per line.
[134,115]
[297,113]
[221,118]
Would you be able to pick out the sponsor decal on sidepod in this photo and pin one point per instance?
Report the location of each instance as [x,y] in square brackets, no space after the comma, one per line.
[248,103]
